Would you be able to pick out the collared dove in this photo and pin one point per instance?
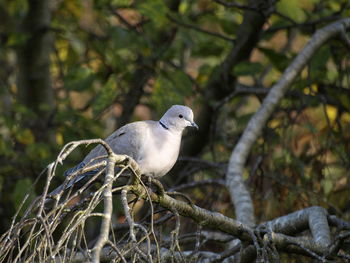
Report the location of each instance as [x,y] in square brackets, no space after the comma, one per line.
[154,145]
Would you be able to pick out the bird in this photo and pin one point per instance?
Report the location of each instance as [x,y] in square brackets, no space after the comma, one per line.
[154,145]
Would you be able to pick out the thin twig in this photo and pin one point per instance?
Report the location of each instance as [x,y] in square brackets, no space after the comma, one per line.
[235,5]
[201,30]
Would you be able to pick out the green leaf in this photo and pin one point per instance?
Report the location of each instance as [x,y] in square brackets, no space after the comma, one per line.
[155,10]
[38,151]
[25,136]
[292,9]
[166,93]
[122,39]
[229,26]
[345,101]
[242,121]
[17,8]
[23,187]
[278,60]
[247,68]
[72,57]
[182,82]
[17,39]
[106,95]
[327,185]
[79,79]
[119,2]
[318,63]
[207,47]
[6,147]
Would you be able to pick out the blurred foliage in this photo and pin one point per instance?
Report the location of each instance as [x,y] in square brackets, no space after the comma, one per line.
[99,50]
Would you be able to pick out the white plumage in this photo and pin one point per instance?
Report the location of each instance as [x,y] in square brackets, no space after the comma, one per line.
[154,145]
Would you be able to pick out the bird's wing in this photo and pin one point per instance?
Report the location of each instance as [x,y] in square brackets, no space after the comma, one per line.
[128,140]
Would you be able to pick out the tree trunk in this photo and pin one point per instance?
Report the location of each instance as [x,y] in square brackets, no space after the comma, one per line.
[34,86]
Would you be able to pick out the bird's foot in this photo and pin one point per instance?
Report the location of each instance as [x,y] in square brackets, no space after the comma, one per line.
[152,181]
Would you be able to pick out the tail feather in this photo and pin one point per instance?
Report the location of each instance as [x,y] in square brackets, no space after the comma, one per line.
[75,180]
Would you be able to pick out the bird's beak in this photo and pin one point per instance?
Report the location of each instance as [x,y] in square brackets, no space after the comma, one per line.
[193,124]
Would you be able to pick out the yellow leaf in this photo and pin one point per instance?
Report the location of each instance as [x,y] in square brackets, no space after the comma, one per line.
[59,138]
[313,89]
[331,112]
[345,117]
[274,124]
[25,136]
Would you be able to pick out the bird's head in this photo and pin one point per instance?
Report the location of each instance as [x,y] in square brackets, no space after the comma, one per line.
[177,118]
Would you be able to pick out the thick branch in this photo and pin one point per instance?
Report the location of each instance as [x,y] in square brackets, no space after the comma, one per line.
[108,208]
[313,218]
[200,215]
[220,83]
[281,233]
[34,89]
[258,121]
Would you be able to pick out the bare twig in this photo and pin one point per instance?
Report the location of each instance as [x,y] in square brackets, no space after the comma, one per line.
[32,239]
[128,215]
[194,184]
[236,5]
[307,24]
[198,29]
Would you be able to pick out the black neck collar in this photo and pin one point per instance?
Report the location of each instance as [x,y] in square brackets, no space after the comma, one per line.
[162,124]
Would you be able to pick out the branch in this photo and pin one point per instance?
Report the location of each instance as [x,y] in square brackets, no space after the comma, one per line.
[345,39]
[220,83]
[313,218]
[63,241]
[200,215]
[241,197]
[308,24]
[33,75]
[239,6]
[160,42]
[198,29]
[108,208]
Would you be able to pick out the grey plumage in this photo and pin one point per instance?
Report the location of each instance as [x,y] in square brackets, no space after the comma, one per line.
[154,145]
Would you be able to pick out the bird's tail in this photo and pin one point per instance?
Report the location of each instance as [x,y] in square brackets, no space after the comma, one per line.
[71,182]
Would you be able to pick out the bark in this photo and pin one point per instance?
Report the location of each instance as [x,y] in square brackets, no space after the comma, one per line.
[145,70]
[34,86]
[221,82]
[108,210]
[304,232]
[239,194]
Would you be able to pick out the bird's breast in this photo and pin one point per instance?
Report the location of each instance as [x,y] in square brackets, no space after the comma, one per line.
[162,153]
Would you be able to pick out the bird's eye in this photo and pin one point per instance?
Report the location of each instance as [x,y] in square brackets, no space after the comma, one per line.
[180,116]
